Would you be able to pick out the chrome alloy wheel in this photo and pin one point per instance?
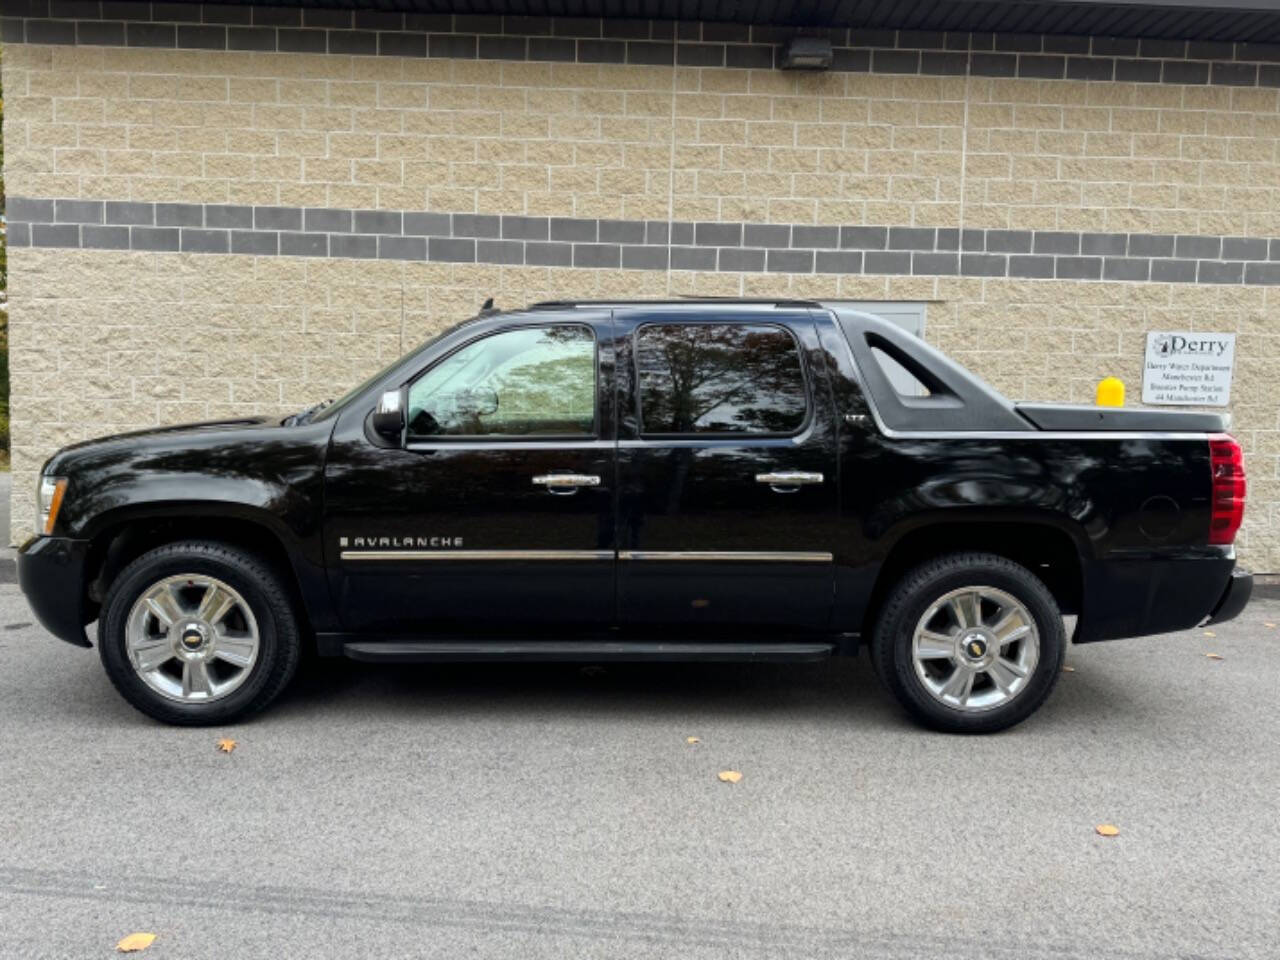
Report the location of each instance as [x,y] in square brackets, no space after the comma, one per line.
[975,648]
[192,638]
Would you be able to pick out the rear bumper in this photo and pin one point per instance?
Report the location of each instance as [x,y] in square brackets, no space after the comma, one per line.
[1234,597]
[1136,598]
[51,574]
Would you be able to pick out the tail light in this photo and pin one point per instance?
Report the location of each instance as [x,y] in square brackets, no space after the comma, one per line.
[1226,463]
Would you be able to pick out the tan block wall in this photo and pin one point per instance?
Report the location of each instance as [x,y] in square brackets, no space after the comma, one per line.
[106,341]
[337,131]
[1123,157]
[596,141]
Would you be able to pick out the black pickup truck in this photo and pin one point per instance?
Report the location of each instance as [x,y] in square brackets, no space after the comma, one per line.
[711,480]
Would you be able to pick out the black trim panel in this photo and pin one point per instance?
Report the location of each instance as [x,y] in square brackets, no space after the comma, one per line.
[1234,598]
[1053,416]
[957,400]
[448,651]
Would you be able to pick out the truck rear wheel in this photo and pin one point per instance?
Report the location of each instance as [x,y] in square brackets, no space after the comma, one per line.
[969,643]
[198,633]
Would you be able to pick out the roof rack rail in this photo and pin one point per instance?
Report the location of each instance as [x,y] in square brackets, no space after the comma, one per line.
[683,300]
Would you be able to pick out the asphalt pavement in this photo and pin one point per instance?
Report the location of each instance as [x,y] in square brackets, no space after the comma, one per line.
[553,812]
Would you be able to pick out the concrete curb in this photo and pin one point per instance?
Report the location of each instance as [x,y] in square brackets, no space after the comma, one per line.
[1266,586]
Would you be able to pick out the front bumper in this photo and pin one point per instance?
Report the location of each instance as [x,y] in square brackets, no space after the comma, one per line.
[51,573]
[1238,590]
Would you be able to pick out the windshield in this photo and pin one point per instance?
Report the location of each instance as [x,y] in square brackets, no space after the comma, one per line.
[336,407]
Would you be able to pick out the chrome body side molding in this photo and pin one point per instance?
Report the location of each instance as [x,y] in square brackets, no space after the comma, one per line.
[469,555]
[731,556]
[789,478]
[706,556]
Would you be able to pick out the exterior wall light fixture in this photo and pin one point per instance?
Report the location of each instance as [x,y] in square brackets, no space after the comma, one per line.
[806,53]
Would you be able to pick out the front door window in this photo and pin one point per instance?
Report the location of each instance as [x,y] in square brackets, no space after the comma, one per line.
[532,382]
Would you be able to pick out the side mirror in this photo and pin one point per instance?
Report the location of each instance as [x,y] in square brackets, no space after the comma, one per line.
[388,419]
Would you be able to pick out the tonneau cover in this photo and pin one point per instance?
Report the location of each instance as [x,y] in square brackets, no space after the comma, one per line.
[1053,416]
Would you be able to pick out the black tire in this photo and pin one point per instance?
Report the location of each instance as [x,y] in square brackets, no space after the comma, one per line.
[263,591]
[911,597]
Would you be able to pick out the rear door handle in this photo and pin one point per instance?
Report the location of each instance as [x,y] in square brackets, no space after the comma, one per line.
[565,483]
[789,480]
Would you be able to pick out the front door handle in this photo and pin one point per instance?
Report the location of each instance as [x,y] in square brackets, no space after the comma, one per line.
[565,483]
[788,481]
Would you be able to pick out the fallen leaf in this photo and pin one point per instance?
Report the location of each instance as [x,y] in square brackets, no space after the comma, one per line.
[1210,633]
[730,776]
[1106,830]
[1214,656]
[692,740]
[1068,669]
[135,942]
[226,745]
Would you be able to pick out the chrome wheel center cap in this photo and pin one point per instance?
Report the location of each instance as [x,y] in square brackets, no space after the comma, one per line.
[194,636]
[975,646]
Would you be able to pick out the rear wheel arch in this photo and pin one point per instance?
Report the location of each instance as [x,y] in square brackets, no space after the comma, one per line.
[1046,549]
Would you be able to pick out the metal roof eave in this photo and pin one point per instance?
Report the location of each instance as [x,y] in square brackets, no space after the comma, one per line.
[1233,20]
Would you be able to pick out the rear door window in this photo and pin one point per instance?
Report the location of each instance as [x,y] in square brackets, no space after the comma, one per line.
[719,378]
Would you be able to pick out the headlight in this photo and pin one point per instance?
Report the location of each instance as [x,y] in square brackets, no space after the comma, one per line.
[51,491]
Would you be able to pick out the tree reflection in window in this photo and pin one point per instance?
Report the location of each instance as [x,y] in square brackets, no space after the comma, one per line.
[719,378]
[534,381]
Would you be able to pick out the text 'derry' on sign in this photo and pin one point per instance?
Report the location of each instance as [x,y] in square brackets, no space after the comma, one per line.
[1188,368]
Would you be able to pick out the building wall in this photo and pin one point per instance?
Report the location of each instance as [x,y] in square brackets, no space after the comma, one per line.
[202,233]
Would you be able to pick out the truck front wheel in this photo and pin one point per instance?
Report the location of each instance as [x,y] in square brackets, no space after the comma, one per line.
[969,643]
[198,633]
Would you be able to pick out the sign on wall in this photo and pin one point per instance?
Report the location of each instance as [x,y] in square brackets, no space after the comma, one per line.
[1188,368]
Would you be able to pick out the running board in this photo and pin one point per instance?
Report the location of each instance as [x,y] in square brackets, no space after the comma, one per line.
[427,651]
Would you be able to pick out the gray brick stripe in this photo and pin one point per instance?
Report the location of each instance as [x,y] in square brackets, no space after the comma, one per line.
[194,26]
[639,244]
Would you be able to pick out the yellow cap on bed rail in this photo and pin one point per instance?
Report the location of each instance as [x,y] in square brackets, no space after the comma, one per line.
[1111,392]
